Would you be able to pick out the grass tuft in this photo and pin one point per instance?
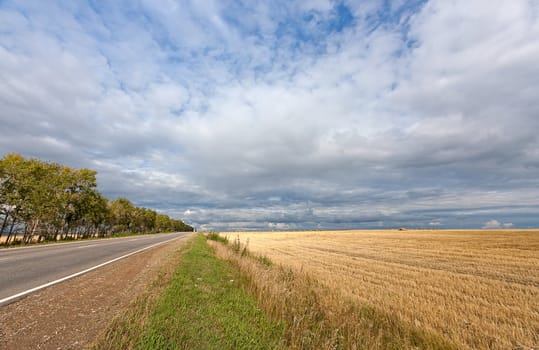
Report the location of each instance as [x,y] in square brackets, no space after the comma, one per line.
[215,236]
[264,260]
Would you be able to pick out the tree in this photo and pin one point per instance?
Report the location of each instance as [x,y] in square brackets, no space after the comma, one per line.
[45,200]
[162,223]
[122,213]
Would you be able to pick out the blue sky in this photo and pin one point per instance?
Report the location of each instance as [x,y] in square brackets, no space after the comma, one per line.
[284,114]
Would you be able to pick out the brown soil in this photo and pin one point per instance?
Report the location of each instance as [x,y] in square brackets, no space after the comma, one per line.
[72,314]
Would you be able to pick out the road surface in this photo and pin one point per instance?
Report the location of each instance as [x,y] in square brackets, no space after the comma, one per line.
[24,269]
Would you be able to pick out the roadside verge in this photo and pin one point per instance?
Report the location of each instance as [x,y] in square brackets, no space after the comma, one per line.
[203,307]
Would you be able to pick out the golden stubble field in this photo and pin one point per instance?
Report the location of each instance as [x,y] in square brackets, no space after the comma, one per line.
[480,289]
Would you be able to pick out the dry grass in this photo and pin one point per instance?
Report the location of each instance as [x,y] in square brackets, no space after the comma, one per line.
[477,289]
[318,318]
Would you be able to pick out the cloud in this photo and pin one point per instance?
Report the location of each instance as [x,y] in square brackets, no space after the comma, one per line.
[495,224]
[314,114]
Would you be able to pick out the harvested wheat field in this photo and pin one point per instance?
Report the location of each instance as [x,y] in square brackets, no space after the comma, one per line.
[478,289]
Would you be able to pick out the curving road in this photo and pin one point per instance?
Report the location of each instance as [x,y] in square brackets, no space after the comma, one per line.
[24,270]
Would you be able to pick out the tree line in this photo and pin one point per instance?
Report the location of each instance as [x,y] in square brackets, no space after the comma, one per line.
[44,201]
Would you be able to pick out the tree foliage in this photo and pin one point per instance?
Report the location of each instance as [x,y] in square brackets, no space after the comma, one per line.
[47,201]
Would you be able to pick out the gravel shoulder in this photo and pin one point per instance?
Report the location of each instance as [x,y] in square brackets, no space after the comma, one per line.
[72,314]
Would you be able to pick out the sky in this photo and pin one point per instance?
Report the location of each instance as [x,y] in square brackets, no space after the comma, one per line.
[275,115]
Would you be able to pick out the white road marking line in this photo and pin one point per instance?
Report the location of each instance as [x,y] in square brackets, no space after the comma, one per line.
[49,245]
[86,246]
[35,289]
[60,244]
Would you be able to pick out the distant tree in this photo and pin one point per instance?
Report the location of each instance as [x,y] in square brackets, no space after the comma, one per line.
[122,214]
[149,217]
[94,213]
[162,223]
[10,172]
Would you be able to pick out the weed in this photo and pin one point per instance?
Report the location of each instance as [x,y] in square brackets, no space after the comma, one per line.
[245,250]
[236,246]
[214,236]
[264,260]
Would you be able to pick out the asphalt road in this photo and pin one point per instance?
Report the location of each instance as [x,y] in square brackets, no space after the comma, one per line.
[23,269]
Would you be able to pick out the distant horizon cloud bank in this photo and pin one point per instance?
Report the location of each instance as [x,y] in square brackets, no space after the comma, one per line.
[284,115]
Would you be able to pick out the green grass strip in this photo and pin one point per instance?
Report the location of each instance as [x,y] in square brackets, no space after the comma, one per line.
[205,307]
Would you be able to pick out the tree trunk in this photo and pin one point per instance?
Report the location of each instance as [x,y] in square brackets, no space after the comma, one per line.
[30,237]
[25,233]
[4,223]
[10,230]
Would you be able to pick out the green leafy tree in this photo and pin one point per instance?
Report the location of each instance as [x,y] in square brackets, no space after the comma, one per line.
[47,201]
[122,214]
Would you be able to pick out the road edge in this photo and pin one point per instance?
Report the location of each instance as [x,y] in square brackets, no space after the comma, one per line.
[20,295]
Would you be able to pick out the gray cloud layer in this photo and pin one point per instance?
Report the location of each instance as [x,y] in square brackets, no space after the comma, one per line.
[427,117]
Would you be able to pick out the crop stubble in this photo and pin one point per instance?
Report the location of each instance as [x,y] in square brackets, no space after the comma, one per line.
[479,289]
